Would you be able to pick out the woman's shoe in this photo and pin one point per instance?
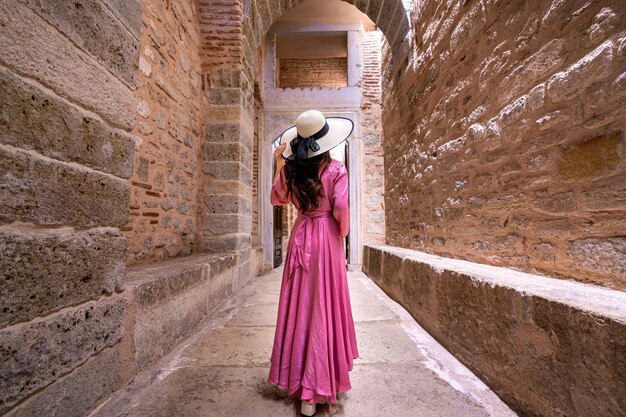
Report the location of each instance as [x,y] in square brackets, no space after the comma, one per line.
[307,409]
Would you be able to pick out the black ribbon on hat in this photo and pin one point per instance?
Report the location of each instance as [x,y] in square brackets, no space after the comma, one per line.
[300,145]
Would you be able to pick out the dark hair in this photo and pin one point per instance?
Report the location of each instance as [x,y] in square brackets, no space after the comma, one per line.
[303,180]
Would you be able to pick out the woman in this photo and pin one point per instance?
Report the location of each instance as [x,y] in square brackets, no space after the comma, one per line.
[315,340]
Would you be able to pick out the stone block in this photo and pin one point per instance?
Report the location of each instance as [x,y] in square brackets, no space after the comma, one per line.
[219,224]
[366,257]
[78,393]
[389,10]
[375,264]
[223,152]
[605,254]
[226,204]
[224,132]
[224,96]
[469,25]
[93,28]
[594,67]
[231,242]
[34,48]
[534,68]
[264,15]
[557,203]
[545,346]
[46,270]
[373,9]
[228,171]
[173,296]
[592,157]
[32,118]
[37,353]
[129,12]
[610,194]
[43,191]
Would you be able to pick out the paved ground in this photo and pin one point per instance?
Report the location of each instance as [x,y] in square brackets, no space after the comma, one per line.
[221,370]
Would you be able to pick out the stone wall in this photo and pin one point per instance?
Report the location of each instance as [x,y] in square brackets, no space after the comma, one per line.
[373,187]
[319,72]
[548,347]
[504,136]
[67,75]
[163,207]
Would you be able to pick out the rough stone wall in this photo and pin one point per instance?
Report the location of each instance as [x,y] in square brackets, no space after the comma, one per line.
[163,207]
[504,136]
[374,206]
[319,72]
[67,75]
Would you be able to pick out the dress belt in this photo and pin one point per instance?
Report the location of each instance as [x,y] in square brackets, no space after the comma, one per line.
[302,238]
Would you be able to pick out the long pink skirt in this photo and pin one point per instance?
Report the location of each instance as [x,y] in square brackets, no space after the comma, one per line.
[315,339]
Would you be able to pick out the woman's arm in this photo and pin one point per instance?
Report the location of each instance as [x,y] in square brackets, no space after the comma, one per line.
[341,207]
[279,194]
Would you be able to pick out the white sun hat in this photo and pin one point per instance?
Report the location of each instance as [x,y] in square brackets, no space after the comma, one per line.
[313,134]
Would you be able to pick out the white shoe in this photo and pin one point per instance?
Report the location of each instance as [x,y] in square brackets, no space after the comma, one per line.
[307,409]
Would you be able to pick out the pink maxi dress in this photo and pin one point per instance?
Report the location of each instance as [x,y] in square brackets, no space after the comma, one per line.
[315,339]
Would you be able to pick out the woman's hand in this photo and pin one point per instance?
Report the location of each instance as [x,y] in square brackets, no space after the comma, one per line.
[278,155]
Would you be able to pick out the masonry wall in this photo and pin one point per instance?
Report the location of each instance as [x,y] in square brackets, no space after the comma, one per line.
[319,72]
[504,136]
[68,72]
[373,187]
[164,190]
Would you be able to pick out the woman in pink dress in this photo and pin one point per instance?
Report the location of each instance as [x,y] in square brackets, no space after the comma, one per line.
[315,341]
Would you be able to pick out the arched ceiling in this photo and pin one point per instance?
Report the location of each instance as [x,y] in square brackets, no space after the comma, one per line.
[327,11]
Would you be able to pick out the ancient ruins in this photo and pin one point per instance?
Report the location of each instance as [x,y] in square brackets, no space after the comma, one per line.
[487,191]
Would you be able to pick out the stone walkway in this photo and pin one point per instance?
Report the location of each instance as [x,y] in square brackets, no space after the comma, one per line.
[221,370]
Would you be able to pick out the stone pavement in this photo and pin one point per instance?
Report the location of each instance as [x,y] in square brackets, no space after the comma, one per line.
[222,369]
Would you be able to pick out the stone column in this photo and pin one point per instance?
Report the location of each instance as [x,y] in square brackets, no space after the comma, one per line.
[226,206]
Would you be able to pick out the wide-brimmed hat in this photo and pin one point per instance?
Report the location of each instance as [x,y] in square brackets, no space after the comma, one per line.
[313,134]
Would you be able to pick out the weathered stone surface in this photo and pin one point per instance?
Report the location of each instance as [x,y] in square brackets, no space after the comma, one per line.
[591,157]
[32,118]
[542,344]
[46,270]
[533,68]
[219,224]
[610,194]
[36,353]
[129,12]
[92,27]
[223,132]
[79,392]
[36,49]
[471,22]
[225,204]
[608,254]
[173,297]
[230,242]
[224,96]
[557,203]
[525,100]
[231,171]
[224,152]
[593,67]
[43,191]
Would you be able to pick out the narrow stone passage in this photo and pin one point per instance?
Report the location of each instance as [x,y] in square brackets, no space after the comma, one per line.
[222,369]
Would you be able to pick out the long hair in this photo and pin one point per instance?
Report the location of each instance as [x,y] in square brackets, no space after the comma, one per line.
[303,180]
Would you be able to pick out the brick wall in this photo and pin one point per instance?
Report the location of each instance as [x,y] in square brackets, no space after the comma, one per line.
[374,208]
[319,72]
[163,203]
[504,136]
